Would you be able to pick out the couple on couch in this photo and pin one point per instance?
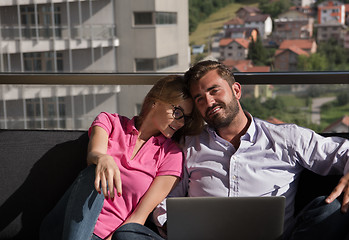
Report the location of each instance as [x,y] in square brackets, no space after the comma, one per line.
[136,163]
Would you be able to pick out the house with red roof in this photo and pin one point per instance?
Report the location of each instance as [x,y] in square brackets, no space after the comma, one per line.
[230,63]
[249,67]
[341,125]
[249,18]
[235,28]
[286,57]
[308,45]
[234,23]
[245,11]
[233,48]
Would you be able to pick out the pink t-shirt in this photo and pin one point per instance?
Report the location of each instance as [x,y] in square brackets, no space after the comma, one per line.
[158,156]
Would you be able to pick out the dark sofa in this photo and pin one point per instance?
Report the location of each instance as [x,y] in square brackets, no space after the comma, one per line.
[37,166]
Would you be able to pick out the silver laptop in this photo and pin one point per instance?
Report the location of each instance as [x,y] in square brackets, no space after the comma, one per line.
[212,218]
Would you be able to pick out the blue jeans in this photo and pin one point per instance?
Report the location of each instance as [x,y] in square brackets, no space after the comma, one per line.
[95,237]
[135,231]
[319,220]
[75,215]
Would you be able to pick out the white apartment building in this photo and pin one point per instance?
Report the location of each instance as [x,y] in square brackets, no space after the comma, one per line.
[75,36]
[331,12]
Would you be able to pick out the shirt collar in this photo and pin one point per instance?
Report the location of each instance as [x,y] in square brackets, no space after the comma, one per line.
[250,134]
[131,128]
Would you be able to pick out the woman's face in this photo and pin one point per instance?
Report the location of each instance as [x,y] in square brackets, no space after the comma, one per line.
[168,118]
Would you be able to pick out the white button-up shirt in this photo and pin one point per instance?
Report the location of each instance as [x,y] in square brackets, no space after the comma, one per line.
[268,162]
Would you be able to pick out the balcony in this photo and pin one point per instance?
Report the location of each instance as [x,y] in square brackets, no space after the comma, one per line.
[71,101]
[15,39]
[25,2]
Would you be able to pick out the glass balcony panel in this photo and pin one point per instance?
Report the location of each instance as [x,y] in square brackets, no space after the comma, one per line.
[323,107]
[61,106]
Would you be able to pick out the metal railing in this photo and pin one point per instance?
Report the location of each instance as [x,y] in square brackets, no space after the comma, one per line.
[338,77]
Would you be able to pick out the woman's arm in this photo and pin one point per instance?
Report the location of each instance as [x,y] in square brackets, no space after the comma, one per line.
[107,171]
[159,189]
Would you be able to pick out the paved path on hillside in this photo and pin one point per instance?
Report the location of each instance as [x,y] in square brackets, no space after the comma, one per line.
[316,108]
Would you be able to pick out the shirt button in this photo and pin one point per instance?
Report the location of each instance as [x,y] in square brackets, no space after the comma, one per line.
[234,177]
[234,158]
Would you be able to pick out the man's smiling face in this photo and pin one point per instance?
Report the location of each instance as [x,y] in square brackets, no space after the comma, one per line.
[215,99]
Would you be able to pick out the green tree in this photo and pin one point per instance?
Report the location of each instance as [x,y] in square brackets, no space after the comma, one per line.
[254,106]
[257,52]
[343,99]
[337,55]
[315,62]
[275,105]
[274,8]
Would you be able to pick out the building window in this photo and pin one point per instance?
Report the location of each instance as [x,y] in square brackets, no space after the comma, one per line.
[152,18]
[44,21]
[167,61]
[33,108]
[145,64]
[44,111]
[166,18]
[150,64]
[42,61]
[143,18]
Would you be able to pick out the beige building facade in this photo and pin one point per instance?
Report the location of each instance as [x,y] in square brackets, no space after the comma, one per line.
[86,36]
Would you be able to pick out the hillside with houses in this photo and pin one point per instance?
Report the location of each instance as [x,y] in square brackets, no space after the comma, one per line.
[306,36]
[294,33]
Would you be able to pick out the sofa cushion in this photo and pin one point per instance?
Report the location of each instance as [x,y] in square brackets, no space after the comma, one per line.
[36,168]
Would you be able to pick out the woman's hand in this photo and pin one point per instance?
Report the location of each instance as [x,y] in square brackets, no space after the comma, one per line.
[107,172]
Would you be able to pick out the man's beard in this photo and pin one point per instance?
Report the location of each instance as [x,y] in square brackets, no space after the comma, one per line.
[225,118]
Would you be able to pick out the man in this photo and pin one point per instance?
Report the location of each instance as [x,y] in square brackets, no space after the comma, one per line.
[239,155]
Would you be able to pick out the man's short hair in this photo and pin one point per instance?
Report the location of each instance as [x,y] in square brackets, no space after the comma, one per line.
[196,72]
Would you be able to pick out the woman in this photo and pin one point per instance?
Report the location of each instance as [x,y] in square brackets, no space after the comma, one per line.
[138,158]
